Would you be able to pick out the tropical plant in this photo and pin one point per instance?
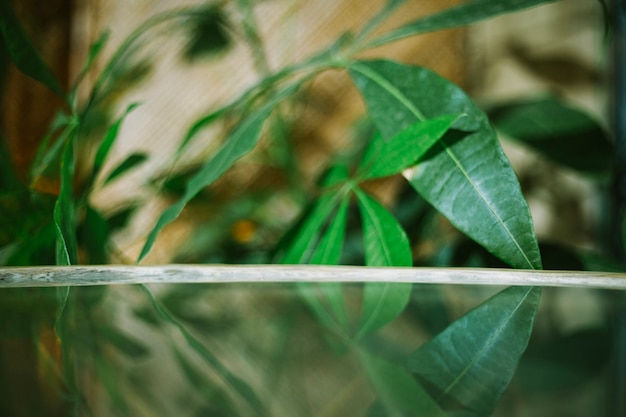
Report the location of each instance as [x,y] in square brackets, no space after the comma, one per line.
[427,129]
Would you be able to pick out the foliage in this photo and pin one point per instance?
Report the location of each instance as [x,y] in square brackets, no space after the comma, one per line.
[427,129]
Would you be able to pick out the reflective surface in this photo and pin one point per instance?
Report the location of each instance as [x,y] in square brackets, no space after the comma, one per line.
[243,349]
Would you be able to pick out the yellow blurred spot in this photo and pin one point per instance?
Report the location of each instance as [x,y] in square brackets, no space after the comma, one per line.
[243,231]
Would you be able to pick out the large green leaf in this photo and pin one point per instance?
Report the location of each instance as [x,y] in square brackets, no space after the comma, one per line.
[387,157]
[466,176]
[563,134]
[241,141]
[461,15]
[386,244]
[22,52]
[468,366]
[399,395]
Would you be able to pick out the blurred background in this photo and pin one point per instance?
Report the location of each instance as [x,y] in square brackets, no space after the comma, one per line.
[555,56]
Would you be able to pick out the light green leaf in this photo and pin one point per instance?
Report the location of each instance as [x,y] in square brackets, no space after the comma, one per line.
[471,363]
[386,244]
[328,252]
[383,158]
[565,135]
[398,393]
[241,141]
[109,139]
[127,164]
[22,52]
[464,14]
[465,176]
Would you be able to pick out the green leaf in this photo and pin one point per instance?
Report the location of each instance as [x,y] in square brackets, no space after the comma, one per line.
[123,342]
[129,163]
[470,364]
[464,14]
[95,234]
[386,244]
[465,176]
[300,246]
[383,158]
[94,51]
[47,153]
[328,252]
[567,136]
[65,208]
[200,124]
[399,395]
[22,52]
[241,141]
[109,139]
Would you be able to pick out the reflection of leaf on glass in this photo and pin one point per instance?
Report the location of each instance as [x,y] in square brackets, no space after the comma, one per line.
[207,34]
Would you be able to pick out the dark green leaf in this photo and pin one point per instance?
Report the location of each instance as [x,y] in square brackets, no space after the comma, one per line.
[466,176]
[22,52]
[95,234]
[565,362]
[464,14]
[469,365]
[399,395]
[386,244]
[109,139]
[563,134]
[129,163]
[95,50]
[208,33]
[383,158]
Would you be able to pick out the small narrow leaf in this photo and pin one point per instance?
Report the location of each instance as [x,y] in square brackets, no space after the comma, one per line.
[328,252]
[22,52]
[398,392]
[563,134]
[241,141]
[126,165]
[64,208]
[464,14]
[386,244]
[198,125]
[109,139]
[384,158]
[470,364]
[94,51]
[466,175]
